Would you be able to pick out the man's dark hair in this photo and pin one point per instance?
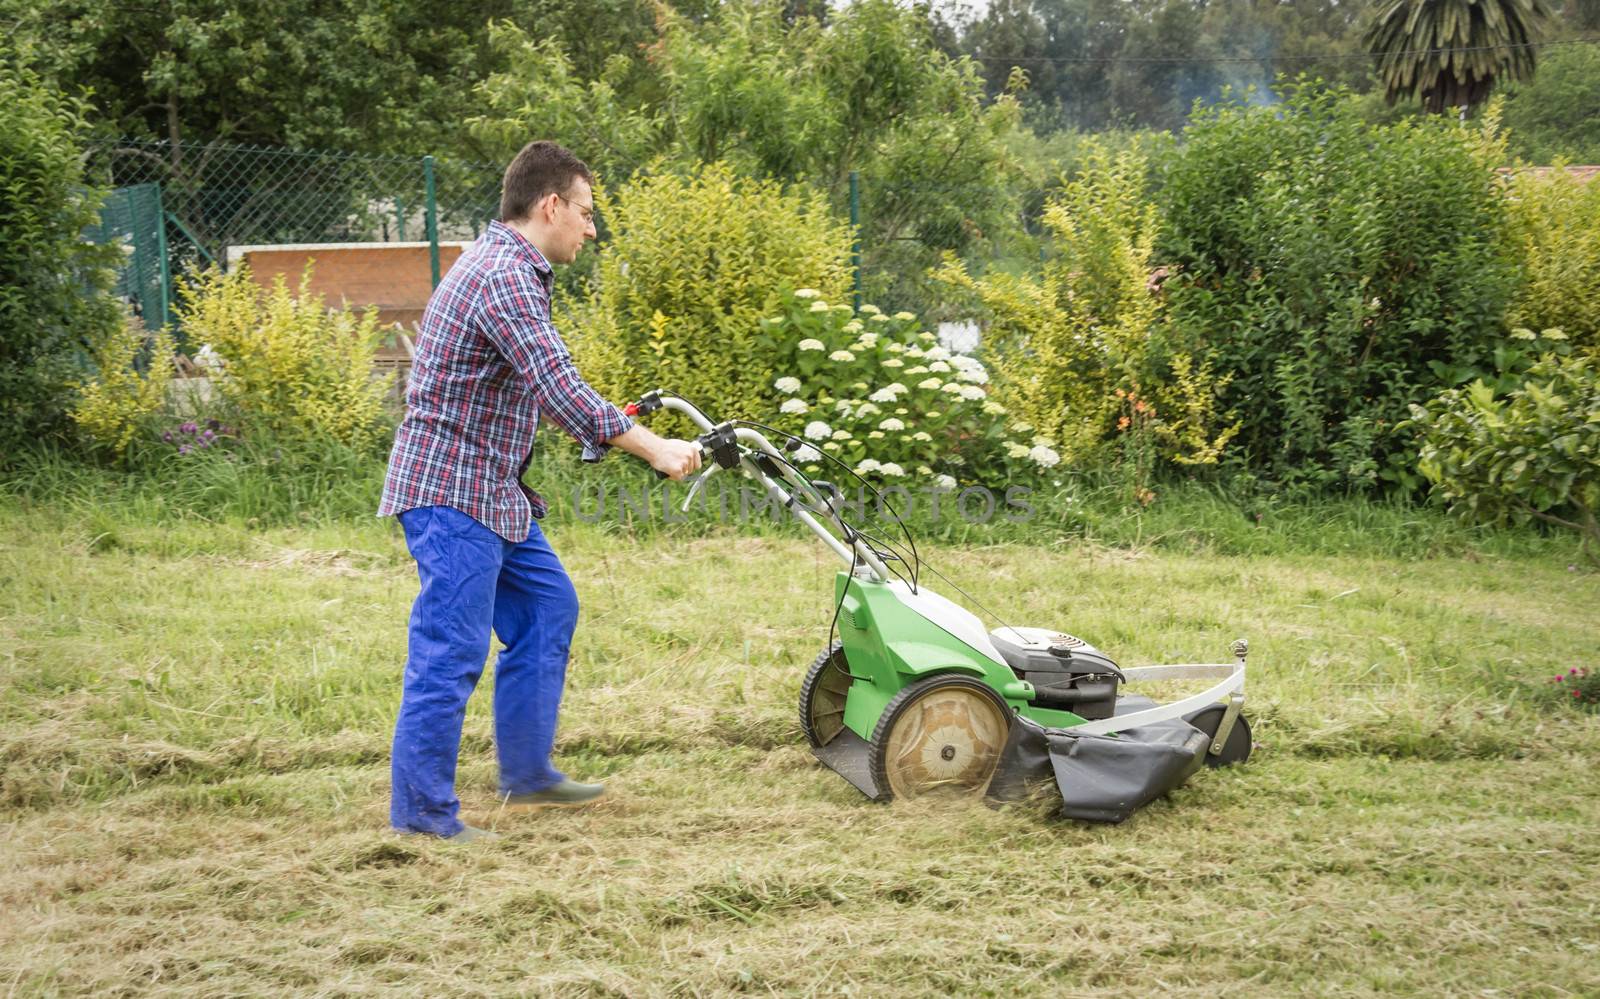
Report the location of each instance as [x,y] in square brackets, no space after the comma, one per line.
[542,168]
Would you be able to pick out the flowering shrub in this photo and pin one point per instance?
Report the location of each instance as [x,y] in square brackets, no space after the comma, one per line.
[284,363]
[1577,686]
[884,397]
[118,399]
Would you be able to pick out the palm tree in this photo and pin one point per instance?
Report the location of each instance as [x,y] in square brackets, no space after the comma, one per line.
[1450,52]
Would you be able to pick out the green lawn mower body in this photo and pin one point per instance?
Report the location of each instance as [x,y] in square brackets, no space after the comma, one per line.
[916,696]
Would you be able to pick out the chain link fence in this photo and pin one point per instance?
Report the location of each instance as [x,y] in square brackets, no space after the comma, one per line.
[179,207]
[185,205]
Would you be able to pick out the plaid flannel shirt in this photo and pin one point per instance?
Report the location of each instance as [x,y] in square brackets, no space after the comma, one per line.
[488,365]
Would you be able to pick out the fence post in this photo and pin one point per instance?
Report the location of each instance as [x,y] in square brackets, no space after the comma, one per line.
[166,264]
[399,219]
[855,234]
[432,219]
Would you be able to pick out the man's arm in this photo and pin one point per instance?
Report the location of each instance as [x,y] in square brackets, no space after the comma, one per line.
[518,324]
[672,458]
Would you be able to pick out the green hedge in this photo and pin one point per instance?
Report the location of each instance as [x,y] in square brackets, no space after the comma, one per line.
[1339,271]
[53,314]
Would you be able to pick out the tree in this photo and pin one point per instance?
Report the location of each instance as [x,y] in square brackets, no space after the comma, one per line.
[1556,115]
[869,92]
[1449,53]
[355,75]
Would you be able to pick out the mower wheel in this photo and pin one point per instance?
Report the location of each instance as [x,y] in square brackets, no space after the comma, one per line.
[822,696]
[1236,749]
[947,731]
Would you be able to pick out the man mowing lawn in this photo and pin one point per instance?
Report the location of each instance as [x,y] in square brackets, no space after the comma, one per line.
[489,365]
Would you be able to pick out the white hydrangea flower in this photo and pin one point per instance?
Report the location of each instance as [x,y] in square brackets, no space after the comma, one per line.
[930,383]
[922,436]
[943,481]
[892,424]
[895,348]
[976,376]
[868,465]
[793,406]
[831,446]
[869,310]
[842,307]
[893,362]
[994,409]
[904,317]
[1015,450]
[924,470]
[861,386]
[870,339]
[806,293]
[902,411]
[867,409]
[939,366]
[932,414]
[817,430]
[809,344]
[1022,427]
[877,317]
[972,393]
[885,394]
[841,355]
[937,353]
[914,351]
[806,452]
[952,388]
[853,326]
[920,369]
[843,405]
[925,335]
[1044,456]
[889,468]
[787,384]
[819,306]
[841,435]
[875,435]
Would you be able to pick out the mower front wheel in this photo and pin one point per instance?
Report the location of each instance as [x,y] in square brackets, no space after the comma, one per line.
[945,732]
[822,696]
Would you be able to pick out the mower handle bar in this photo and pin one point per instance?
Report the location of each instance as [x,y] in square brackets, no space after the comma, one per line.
[855,553]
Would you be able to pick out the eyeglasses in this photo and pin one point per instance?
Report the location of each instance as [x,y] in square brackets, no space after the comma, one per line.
[587,211]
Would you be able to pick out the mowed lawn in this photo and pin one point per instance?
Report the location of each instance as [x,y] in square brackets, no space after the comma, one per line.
[194,727]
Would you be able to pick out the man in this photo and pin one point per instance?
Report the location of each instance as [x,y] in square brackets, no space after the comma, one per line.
[489,365]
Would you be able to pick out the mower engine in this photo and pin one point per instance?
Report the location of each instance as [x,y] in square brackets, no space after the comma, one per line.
[1066,672]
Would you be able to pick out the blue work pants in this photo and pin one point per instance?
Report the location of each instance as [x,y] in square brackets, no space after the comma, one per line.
[474,580]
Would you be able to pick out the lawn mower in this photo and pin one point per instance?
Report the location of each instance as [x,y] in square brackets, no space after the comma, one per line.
[915,695]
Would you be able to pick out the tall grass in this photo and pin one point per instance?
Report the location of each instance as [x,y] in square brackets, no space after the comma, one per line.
[262,483]
[194,725]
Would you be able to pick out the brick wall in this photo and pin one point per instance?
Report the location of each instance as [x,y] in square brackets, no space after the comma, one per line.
[395,277]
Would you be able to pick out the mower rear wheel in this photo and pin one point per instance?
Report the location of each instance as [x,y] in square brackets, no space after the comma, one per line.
[822,696]
[945,732]
[1236,748]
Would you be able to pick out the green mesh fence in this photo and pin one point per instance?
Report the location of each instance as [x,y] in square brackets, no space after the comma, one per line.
[132,219]
[211,197]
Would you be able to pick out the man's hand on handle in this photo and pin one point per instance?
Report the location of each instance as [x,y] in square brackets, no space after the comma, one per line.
[676,459]
[673,458]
